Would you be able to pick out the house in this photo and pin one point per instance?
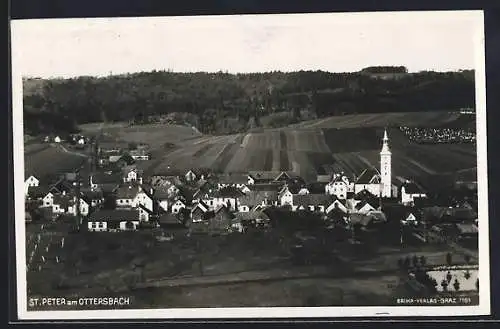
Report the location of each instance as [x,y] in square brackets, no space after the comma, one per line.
[366,221]
[261,177]
[410,219]
[133,196]
[37,192]
[31,181]
[48,200]
[62,186]
[253,199]
[178,205]
[221,220]
[311,202]
[139,155]
[84,207]
[192,175]
[338,186]
[93,198]
[113,220]
[467,231]
[105,181]
[57,139]
[368,180]
[81,141]
[162,196]
[285,197]
[336,204]
[60,203]
[239,181]
[364,207]
[227,196]
[410,191]
[199,212]
[252,218]
[131,174]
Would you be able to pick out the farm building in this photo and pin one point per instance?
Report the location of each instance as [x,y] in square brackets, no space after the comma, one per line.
[311,202]
[132,174]
[410,191]
[31,181]
[113,220]
[253,199]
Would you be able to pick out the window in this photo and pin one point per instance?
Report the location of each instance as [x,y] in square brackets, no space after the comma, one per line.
[120,201]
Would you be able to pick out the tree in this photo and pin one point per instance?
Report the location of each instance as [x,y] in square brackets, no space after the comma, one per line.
[423,260]
[456,285]
[449,258]
[415,261]
[444,285]
[467,258]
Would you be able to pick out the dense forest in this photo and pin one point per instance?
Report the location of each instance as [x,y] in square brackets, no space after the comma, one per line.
[225,103]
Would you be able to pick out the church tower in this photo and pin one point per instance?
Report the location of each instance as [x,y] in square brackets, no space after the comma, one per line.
[385,168]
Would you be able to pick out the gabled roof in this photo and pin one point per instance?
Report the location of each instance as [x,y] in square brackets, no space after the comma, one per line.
[161,193]
[264,175]
[312,200]
[127,192]
[253,198]
[116,215]
[412,188]
[228,192]
[275,187]
[62,185]
[62,200]
[364,203]
[364,195]
[37,191]
[145,209]
[202,206]
[106,178]
[368,176]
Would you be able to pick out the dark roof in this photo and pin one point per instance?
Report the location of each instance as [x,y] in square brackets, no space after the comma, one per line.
[37,191]
[106,178]
[412,188]
[312,199]
[127,192]
[117,215]
[228,192]
[62,200]
[368,176]
[253,198]
[161,193]
[108,187]
[317,187]
[62,185]
[276,187]
[365,202]
[364,195]
[264,175]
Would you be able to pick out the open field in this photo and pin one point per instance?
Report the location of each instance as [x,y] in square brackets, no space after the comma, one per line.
[409,119]
[153,134]
[51,161]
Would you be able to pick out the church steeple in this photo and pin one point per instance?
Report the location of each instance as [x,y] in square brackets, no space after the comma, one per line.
[385,144]
[385,168]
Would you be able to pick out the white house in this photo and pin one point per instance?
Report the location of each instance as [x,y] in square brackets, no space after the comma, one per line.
[227,196]
[364,207]
[81,141]
[410,191]
[191,175]
[303,191]
[84,207]
[338,186]
[285,197]
[48,200]
[57,139]
[177,206]
[336,204]
[113,220]
[132,174]
[31,181]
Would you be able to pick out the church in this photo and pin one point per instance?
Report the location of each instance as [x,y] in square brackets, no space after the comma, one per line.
[379,182]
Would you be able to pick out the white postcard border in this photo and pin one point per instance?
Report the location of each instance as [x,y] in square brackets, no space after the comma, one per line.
[257,312]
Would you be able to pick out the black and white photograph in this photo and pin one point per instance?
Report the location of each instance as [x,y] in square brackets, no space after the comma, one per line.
[251,166]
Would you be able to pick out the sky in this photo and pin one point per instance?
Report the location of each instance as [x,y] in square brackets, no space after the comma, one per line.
[334,42]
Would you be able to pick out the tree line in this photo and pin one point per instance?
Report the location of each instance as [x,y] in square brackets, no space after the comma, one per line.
[223,102]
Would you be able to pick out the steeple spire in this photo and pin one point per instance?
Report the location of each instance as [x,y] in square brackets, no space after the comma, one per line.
[385,145]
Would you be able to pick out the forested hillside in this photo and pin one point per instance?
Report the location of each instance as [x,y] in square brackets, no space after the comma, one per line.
[225,103]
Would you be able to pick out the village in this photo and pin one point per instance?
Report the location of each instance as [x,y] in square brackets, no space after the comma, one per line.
[116,196]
